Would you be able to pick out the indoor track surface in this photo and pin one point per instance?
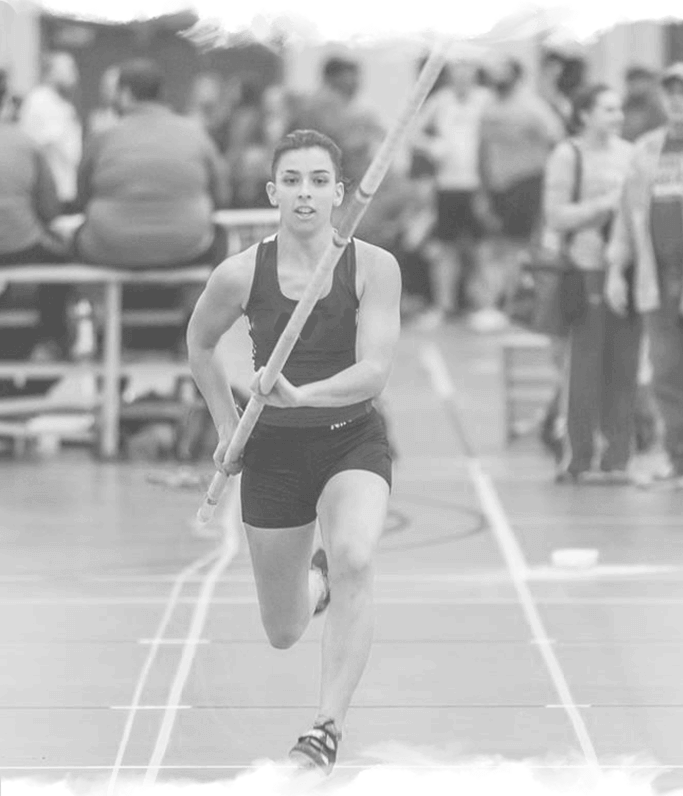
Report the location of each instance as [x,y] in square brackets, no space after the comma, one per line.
[131,646]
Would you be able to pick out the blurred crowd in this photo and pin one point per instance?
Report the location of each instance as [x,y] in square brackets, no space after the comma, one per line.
[147,178]
[572,174]
[501,166]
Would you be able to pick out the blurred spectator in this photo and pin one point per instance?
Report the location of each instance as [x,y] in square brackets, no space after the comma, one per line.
[518,131]
[561,74]
[250,151]
[278,108]
[385,217]
[149,187]
[643,109]
[448,136]
[551,68]
[420,224]
[106,114]
[248,117]
[211,102]
[28,203]
[422,167]
[603,348]
[14,111]
[334,109]
[573,78]
[49,117]
[648,235]
[643,112]
[258,122]
[150,184]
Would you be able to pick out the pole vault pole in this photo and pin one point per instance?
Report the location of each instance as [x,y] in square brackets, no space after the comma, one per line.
[363,195]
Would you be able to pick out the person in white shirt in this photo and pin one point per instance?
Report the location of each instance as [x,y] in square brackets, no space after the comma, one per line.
[49,117]
[448,135]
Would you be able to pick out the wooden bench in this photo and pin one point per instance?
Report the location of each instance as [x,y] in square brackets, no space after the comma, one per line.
[529,381]
[243,229]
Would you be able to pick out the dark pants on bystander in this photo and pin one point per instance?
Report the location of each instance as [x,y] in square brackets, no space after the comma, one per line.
[154,297]
[50,300]
[603,374]
[665,330]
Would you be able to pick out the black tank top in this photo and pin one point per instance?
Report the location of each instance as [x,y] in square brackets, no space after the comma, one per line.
[326,346]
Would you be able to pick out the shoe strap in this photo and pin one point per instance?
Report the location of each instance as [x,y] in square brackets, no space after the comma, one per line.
[323,739]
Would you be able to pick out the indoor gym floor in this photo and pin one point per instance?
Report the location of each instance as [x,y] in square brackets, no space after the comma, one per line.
[132,648]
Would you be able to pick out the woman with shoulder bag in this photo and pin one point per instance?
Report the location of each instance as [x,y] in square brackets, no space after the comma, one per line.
[602,351]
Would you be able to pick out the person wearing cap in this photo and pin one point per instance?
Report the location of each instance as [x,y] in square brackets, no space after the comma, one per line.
[648,235]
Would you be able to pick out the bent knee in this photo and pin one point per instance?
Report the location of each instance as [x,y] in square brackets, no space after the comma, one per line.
[352,561]
[282,641]
[283,637]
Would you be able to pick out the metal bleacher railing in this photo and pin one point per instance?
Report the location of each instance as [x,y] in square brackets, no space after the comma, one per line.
[243,228]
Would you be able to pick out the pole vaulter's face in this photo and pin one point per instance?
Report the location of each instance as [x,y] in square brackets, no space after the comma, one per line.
[306,189]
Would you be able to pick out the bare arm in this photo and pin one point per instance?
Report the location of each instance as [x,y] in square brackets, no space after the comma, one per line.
[376,336]
[216,311]
[619,256]
[620,249]
[563,214]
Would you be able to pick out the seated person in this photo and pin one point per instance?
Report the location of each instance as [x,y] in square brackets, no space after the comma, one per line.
[149,186]
[28,202]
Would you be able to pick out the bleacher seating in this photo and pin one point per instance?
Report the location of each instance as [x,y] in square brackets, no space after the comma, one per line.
[243,227]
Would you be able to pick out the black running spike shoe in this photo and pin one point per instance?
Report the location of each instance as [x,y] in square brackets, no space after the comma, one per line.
[319,562]
[316,750]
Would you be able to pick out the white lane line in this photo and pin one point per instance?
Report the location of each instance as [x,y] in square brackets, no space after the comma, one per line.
[87,601]
[171,604]
[227,553]
[350,767]
[511,551]
[446,599]
[172,641]
[563,707]
[149,707]
[542,572]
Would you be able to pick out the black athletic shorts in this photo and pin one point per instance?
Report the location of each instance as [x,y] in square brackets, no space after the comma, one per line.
[455,216]
[519,207]
[286,469]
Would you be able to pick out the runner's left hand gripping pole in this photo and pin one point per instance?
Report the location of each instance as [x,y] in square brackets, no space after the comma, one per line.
[357,206]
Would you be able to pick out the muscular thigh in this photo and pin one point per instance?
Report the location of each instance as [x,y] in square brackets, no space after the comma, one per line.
[355,487]
[281,560]
[352,512]
[341,476]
